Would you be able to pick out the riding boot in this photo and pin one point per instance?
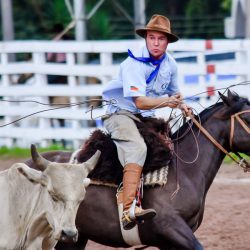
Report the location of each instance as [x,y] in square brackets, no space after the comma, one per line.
[131,179]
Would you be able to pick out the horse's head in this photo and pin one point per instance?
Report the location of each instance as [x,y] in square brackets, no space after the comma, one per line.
[237,110]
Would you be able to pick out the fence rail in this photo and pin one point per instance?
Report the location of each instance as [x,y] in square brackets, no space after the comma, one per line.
[85,81]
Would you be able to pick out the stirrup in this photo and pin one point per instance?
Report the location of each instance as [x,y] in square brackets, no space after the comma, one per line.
[127,222]
[144,214]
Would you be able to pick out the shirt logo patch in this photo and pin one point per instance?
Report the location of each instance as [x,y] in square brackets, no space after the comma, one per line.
[133,88]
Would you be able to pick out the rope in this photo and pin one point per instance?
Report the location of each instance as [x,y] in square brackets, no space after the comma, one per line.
[197,146]
[113,102]
[50,109]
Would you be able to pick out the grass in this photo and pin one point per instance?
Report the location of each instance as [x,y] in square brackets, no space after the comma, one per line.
[17,152]
[228,160]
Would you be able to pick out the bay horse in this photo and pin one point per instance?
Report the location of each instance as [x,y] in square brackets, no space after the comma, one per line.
[179,216]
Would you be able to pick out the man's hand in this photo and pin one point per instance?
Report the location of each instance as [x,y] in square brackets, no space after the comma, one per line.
[174,101]
[186,110]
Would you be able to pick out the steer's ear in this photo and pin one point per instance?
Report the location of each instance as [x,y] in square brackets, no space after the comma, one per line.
[32,175]
[91,163]
[86,182]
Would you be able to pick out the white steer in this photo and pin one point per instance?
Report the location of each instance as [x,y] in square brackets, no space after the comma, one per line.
[38,208]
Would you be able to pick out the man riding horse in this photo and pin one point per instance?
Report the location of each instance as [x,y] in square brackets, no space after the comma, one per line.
[147,80]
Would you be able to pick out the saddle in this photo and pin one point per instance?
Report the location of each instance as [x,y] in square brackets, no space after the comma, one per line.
[156,133]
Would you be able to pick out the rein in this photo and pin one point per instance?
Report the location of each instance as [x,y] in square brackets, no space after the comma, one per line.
[242,162]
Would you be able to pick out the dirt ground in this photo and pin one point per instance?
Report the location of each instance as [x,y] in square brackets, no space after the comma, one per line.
[226,223]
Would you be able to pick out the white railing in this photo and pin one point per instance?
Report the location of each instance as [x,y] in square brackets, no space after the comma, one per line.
[42,127]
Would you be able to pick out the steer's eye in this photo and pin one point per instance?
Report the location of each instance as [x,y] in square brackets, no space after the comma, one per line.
[54,196]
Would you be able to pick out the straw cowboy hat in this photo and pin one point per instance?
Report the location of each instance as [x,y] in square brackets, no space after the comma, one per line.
[161,24]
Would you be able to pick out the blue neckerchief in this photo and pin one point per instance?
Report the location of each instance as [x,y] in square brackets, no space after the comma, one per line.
[151,60]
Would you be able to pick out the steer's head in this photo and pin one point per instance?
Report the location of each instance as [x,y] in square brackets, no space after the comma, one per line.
[65,187]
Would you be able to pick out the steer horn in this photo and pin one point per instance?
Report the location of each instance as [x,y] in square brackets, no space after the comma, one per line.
[90,164]
[40,162]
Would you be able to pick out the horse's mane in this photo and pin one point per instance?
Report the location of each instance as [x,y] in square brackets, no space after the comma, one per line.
[228,107]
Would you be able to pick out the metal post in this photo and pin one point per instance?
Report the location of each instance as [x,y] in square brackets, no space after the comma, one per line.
[139,14]
[247,18]
[7,20]
[80,30]
[7,23]
[81,35]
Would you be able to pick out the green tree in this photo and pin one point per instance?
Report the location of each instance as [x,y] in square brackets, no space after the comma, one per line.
[195,10]
[35,19]
[205,18]
[226,5]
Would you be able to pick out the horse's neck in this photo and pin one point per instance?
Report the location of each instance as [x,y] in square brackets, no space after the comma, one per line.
[209,156]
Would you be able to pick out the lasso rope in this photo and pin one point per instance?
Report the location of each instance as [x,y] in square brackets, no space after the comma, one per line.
[50,109]
[113,102]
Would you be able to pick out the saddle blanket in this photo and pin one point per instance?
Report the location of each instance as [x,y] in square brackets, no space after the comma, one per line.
[157,177]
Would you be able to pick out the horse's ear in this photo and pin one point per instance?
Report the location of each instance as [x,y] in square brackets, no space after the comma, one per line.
[230,95]
[224,98]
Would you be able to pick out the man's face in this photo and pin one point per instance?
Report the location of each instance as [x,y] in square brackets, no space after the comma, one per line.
[157,43]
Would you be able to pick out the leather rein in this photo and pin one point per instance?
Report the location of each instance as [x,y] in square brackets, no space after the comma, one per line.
[240,161]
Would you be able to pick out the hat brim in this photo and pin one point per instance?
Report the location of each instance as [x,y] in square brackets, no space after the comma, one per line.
[171,37]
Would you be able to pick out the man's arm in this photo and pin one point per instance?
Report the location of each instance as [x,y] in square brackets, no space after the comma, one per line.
[146,103]
[175,101]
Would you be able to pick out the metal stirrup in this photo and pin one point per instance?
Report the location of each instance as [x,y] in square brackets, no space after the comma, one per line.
[132,210]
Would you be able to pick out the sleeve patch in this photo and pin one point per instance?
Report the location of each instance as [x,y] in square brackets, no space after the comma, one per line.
[133,88]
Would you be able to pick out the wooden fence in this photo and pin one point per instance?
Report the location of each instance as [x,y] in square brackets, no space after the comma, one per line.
[85,81]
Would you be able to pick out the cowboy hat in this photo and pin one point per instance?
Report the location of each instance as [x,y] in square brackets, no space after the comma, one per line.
[158,23]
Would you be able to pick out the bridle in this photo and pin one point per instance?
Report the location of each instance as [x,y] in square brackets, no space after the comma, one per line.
[240,161]
[242,123]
